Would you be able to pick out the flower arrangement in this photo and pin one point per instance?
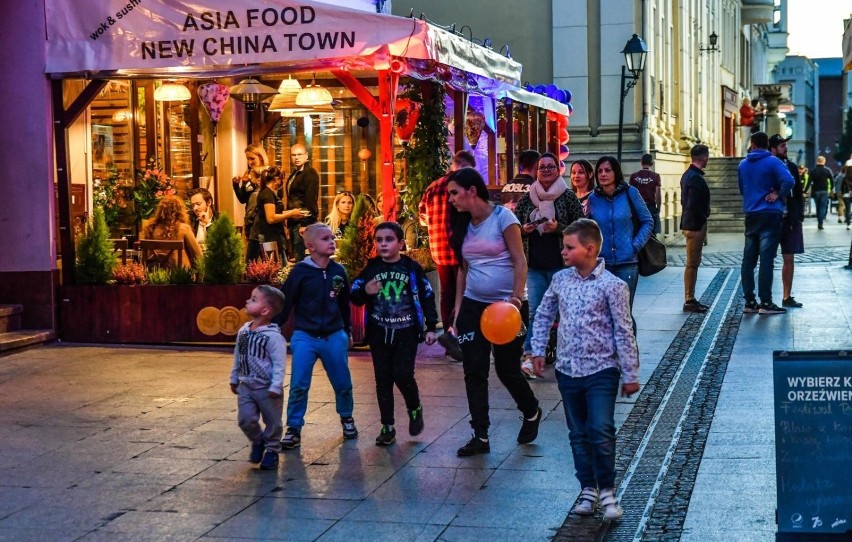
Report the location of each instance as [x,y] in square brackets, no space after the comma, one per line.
[130,273]
[105,195]
[263,272]
[152,186]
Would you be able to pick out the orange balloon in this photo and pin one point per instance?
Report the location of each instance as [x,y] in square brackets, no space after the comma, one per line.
[500,322]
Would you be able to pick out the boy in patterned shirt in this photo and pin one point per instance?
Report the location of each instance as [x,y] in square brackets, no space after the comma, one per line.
[258,376]
[595,347]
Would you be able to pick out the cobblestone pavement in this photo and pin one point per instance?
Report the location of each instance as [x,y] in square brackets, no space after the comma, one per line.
[141,443]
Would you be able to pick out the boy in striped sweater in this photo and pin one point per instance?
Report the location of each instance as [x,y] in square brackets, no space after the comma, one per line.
[257,377]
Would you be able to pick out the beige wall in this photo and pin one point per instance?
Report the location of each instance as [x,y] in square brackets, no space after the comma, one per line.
[526,27]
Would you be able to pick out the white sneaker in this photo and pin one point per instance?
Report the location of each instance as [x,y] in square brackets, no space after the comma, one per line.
[588,501]
[527,369]
[609,504]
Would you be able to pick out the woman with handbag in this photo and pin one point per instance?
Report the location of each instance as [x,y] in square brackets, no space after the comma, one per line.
[613,205]
[544,211]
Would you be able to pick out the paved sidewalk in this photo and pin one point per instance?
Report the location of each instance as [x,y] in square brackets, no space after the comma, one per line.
[141,444]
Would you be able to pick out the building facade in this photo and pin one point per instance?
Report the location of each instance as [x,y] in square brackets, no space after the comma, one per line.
[803,116]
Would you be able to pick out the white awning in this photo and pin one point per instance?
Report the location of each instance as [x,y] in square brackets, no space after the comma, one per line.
[206,38]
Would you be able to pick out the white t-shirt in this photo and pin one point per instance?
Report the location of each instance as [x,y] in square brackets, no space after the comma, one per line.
[490,273]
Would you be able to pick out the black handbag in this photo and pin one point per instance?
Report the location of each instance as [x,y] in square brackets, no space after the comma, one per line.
[652,256]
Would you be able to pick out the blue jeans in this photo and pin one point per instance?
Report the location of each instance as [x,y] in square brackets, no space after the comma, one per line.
[629,273]
[762,235]
[821,200]
[589,403]
[538,281]
[333,351]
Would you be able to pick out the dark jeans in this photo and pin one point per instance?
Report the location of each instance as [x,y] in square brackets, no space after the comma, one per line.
[821,200]
[848,202]
[393,354]
[762,235]
[447,276]
[297,242]
[477,363]
[589,403]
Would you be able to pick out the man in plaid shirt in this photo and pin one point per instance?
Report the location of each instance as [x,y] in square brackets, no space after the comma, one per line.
[434,212]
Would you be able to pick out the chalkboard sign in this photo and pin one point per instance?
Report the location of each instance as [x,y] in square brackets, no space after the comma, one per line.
[813,444]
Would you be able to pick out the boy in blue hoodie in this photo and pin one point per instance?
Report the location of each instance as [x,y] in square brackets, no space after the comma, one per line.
[399,301]
[317,291]
[258,376]
[764,182]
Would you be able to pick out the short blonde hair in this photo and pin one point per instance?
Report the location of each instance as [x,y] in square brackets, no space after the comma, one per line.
[311,232]
[820,160]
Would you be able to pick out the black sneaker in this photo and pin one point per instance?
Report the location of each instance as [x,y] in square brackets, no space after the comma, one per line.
[386,437]
[415,421]
[751,307]
[694,306]
[529,428]
[292,439]
[256,454]
[771,308]
[270,461]
[349,429]
[791,303]
[451,344]
[474,446]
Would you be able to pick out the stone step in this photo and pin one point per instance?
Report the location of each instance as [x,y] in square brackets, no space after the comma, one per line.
[10,317]
[12,340]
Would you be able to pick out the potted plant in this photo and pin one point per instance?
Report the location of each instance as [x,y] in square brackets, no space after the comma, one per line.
[95,252]
[132,305]
[354,251]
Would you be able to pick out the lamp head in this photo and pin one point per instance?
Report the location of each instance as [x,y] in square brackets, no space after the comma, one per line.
[714,38]
[635,53]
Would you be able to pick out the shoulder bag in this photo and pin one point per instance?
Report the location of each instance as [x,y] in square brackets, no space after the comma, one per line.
[652,256]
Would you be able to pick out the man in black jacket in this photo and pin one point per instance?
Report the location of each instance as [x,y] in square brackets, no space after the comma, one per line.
[792,239]
[302,193]
[695,200]
[820,183]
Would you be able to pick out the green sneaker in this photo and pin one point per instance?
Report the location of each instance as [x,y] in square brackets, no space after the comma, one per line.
[386,437]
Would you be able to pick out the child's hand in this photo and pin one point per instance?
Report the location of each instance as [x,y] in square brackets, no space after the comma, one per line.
[550,226]
[234,388]
[629,389]
[273,395]
[373,287]
[431,338]
[538,366]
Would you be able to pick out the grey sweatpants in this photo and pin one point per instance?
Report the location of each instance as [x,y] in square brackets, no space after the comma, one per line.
[251,405]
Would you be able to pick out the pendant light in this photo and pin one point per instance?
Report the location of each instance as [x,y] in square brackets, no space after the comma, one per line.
[313,95]
[171,92]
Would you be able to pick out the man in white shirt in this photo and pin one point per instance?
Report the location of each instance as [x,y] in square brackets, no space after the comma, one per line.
[203,214]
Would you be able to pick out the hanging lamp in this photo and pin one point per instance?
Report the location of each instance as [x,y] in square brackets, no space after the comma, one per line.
[313,95]
[171,92]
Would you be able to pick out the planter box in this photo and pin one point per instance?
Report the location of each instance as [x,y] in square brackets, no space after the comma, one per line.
[148,314]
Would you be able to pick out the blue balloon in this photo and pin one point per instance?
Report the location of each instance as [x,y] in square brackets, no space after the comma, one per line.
[528,87]
[539,89]
[568,96]
[570,109]
[561,96]
[550,89]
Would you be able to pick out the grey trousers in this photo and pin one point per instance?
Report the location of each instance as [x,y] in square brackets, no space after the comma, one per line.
[251,405]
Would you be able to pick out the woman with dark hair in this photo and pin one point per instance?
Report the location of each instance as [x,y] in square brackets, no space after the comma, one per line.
[617,207]
[487,242]
[582,182]
[547,208]
[271,215]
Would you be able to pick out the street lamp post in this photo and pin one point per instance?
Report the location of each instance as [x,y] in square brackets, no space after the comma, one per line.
[635,53]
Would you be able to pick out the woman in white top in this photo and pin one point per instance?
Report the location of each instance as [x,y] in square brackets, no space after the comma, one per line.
[487,242]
